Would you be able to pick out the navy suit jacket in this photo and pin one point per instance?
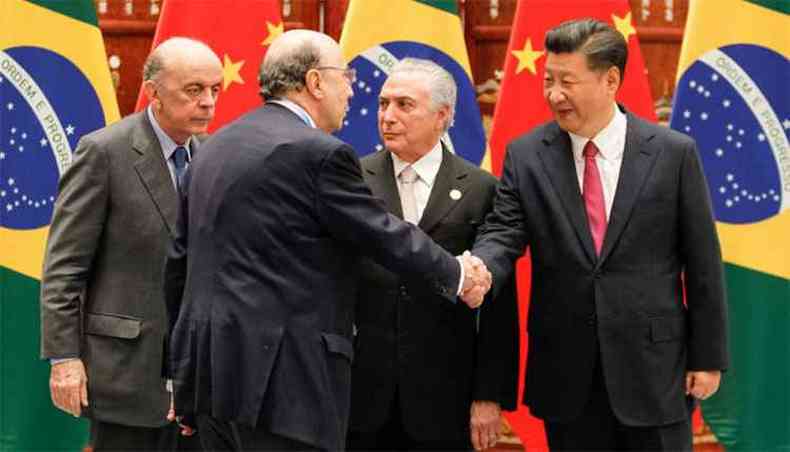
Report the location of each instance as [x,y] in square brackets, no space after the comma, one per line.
[264,274]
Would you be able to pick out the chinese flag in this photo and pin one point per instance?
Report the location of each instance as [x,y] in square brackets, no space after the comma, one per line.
[239,33]
[521,107]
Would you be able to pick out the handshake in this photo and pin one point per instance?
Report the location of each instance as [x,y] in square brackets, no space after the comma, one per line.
[477,280]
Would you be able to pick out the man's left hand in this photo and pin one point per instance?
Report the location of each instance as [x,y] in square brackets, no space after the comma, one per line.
[485,424]
[702,383]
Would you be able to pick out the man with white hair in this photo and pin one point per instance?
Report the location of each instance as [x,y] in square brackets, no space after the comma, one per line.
[264,273]
[428,375]
[103,315]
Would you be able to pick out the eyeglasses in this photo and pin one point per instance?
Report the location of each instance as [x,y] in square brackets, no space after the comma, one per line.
[349,73]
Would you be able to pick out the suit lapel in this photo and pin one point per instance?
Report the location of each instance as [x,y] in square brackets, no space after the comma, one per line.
[451,176]
[557,157]
[153,172]
[381,180]
[638,159]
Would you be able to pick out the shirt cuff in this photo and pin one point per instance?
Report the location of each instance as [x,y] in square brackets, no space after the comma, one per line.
[461,280]
[53,361]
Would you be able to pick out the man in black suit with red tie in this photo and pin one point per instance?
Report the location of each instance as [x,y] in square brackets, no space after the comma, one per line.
[264,273]
[618,219]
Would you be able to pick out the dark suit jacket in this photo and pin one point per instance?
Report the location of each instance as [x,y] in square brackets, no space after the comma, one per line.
[628,303]
[409,339]
[278,216]
[101,291]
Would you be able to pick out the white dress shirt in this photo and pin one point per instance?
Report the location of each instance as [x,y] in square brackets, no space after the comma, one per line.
[426,168]
[168,145]
[611,144]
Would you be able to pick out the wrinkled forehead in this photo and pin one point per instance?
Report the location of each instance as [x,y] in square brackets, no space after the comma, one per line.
[198,68]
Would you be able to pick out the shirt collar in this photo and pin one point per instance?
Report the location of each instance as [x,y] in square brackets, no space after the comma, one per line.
[296,109]
[165,142]
[426,167]
[606,140]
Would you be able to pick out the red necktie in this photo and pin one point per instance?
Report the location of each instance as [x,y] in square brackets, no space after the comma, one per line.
[593,196]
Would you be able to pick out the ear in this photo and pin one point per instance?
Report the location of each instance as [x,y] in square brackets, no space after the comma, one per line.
[313,83]
[149,87]
[613,78]
[444,115]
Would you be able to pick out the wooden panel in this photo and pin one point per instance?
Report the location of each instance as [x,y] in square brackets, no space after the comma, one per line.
[660,24]
[487,30]
[301,13]
[128,28]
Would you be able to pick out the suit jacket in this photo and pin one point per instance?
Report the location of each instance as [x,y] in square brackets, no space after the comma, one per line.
[277,217]
[430,350]
[626,304]
[101,292]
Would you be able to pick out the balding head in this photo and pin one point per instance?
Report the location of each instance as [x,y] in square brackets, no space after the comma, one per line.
[175,52]
[290,57]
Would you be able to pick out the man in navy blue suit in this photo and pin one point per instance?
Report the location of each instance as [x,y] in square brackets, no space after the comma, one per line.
[276,216]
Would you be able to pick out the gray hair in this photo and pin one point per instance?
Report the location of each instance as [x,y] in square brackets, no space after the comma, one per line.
[286,71]
[155,62]
[441,83]
[603,46]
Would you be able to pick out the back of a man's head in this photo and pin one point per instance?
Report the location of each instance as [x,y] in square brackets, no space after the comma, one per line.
[288,59]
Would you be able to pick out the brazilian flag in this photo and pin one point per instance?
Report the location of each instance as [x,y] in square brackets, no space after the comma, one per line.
[55,86]
[733,98]
[379,33]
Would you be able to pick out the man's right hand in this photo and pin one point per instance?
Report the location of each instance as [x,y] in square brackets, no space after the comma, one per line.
[477,280]
[68,386]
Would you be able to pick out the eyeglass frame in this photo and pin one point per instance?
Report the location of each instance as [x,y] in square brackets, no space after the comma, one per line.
[349,73]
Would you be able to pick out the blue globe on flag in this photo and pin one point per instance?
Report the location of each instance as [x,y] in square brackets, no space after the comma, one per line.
[360,127]
[735,102]
[41,124]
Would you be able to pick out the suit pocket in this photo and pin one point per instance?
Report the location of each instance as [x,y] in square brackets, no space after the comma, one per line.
[666,329]
[112,325]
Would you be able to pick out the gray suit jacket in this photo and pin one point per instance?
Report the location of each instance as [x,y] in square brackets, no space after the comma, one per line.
[101,293]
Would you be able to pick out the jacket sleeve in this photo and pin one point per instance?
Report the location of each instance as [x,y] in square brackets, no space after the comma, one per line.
[77,225]
[351,213]
[702,270]
[503,237]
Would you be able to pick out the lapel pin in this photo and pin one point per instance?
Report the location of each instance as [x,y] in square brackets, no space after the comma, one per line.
[455,194]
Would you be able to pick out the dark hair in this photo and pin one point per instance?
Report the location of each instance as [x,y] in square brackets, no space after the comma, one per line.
[287,72]
[603,46]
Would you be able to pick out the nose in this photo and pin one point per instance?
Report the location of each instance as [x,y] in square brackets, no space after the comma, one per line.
[207,98]
[387,114]
[554,95]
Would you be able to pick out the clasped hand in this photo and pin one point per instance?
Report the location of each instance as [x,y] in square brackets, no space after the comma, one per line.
[477,280]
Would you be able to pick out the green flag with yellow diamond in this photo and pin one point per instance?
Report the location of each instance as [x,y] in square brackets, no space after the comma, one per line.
[733,98]
[55,86]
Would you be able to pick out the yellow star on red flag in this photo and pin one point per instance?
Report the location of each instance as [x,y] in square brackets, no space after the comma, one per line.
[527,57]
[230,72]
[624,25]
[274,32]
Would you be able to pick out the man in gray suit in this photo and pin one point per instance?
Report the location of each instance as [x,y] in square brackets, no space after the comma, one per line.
[103,317]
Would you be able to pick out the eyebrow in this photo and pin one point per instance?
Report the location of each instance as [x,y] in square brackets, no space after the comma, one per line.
[398,98]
